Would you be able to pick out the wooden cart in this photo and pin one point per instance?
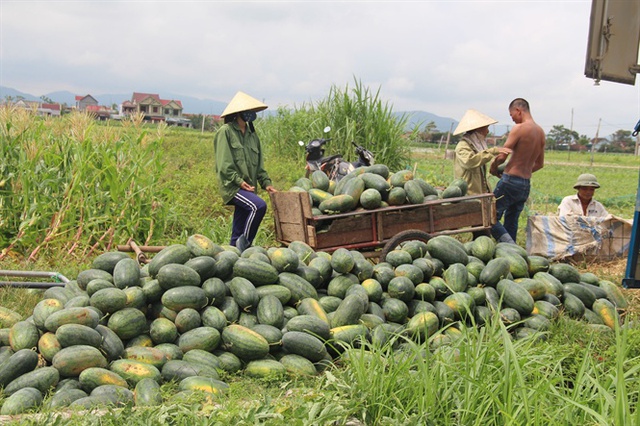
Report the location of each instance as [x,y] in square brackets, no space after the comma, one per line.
[384,228]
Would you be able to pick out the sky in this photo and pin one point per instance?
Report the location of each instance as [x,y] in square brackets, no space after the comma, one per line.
[443,57]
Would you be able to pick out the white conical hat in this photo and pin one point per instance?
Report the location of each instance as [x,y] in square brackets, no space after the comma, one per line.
[472,120]
[243,102]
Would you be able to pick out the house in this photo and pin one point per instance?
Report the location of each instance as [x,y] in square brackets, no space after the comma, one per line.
[171,108]
[40,108]
[25,104]
[82,102]
[101,113]
[52,110]
[155,109]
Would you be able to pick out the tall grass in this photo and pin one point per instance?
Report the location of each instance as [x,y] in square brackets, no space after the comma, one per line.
[482,377]
[487,378]
[72,184]
[355,114]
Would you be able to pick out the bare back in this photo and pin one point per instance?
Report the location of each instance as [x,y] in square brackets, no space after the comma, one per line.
[526,140]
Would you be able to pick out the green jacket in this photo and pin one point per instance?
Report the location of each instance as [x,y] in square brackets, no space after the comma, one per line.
[470,165]
[238,159]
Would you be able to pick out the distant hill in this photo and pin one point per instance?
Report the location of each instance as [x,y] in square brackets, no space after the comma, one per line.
[422,118]
[6,92]
[196,105]
[208,106]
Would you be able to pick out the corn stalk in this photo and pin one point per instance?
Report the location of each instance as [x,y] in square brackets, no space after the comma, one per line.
[70,182]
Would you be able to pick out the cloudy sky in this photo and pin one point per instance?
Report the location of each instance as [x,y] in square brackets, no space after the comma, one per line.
[437,56]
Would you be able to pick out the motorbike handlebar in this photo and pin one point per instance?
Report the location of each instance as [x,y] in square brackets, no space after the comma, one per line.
[359,149]
[317,142]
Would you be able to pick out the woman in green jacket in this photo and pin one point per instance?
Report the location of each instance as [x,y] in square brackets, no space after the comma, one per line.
[472,153]
[240,168]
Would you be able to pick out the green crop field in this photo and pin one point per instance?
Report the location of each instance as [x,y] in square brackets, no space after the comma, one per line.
[77,188]
[616,173]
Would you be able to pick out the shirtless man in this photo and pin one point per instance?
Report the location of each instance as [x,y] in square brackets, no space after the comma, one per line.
[526,141]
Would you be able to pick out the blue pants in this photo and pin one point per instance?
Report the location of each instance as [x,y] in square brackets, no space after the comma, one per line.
[511,193]
[249,211]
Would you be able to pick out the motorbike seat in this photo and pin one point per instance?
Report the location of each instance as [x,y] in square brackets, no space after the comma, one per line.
[331,158]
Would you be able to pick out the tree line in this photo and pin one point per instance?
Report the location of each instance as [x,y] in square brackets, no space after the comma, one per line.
[558,138]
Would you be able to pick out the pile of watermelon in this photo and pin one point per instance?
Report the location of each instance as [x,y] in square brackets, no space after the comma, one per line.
[199,310]
[372,187]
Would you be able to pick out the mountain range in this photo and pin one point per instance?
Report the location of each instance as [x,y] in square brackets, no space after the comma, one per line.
[193,105]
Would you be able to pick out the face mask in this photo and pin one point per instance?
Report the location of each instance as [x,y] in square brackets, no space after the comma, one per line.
[248,116]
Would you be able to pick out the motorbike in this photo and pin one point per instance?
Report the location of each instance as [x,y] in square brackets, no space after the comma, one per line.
[334,166]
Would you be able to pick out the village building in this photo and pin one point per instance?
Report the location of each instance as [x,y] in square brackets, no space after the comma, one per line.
[52,110]
[100,112]
[82,102]
[40,108]
[156,110]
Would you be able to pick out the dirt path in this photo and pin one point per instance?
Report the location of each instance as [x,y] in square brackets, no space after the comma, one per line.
[588,164]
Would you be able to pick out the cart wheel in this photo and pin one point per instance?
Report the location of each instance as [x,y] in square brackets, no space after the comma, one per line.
[401,237]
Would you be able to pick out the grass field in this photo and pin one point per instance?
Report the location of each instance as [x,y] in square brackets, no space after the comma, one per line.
[576,376]
[193,205]
[616,173]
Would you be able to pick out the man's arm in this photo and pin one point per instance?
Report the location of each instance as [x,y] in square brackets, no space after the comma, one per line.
[493,169]
[512,141]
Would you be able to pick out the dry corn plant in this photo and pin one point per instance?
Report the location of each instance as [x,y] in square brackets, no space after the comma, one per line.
[80,125]
[162,129]
[49,121]
[71,183]
[14,120]
[134,120]
[107,134]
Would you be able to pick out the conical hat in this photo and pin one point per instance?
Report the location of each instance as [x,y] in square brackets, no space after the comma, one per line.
[243,102]
[472,120]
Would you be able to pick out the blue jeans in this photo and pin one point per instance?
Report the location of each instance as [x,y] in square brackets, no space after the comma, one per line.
[511,193]
[249,211]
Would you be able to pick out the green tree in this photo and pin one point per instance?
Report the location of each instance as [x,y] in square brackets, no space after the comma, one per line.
[429,133]
[583,140]
[430,127]
[559,137]
[621,141]
[46,99]
[209,124]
